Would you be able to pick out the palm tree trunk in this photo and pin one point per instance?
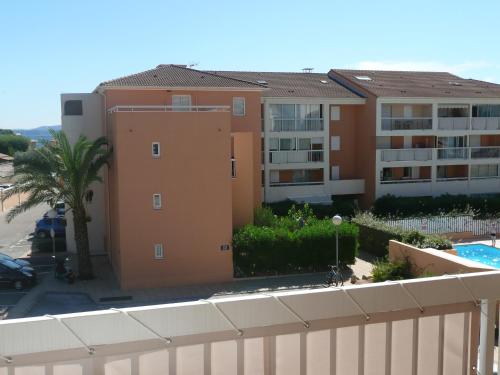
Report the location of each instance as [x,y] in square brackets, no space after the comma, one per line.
[82,244]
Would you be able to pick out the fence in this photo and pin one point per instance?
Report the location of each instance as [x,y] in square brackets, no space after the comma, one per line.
[448,224]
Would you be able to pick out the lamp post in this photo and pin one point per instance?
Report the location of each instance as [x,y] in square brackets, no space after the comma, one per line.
[336,221]
[52,214]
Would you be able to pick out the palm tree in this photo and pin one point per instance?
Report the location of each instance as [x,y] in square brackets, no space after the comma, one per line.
[60,172]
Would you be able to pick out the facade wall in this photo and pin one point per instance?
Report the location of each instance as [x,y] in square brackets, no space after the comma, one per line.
[90,125]
[347,129]
[242,184]
[193,176]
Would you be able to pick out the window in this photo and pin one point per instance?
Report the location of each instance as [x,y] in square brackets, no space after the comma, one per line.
[335,143]
[486,110]
[335,172]
[159,251]
[484,170]
[233,168]
[73,108]
[287,144]
[335,113]
[238,106]
[181,102]
[156,201]
[155,150]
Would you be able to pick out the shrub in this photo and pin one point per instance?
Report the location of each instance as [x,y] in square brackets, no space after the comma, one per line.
[345,207]
[280,249]
[478,206]
[264,217]
[384,270]
[374,236]
[11,143]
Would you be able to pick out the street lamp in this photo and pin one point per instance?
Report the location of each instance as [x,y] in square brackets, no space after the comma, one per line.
[336,221]
[52,214]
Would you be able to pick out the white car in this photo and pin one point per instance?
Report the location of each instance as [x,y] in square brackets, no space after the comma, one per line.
[21,262]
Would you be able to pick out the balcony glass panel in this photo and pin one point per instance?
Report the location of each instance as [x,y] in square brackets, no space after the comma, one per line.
[485,152]
[406,123]
[296,117]
[452,153]
[422,154]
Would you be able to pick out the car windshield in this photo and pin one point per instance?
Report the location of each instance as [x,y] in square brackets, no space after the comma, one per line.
[10,264]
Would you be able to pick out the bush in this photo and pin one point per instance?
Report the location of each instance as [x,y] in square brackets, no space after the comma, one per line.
[286,247]
[11,143]
[344,207]
[264,217]
[478,206]
[374,236]
[384,270]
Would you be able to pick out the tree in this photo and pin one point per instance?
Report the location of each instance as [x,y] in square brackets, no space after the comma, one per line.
[60,172]
[10,143]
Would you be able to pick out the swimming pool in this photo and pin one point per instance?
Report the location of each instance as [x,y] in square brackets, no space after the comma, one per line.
[480,253]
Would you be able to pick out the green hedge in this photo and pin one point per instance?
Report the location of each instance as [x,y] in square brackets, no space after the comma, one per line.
[345,207]
[374,236]
[479,206]
[261,250]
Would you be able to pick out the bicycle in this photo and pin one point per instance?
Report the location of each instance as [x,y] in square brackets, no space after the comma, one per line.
[334,276]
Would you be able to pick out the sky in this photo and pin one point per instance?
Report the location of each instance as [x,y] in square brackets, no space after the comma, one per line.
[52,47]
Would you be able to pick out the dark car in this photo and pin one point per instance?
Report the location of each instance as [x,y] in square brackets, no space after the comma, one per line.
[44,225]
[21,262]
[12,274]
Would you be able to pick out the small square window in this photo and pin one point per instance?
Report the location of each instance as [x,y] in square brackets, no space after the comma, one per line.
[159,251]
[156,201]
[181,103]
[335,113]
[335,143]
[73,108]
[155,150]
[238,106]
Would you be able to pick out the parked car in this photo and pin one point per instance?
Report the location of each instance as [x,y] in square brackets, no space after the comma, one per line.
[12,274]
[21,262]
[44,225]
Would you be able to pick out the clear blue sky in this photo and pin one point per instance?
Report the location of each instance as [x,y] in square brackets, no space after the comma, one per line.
[50,47]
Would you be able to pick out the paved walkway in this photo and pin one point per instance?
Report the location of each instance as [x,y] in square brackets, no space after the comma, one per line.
[53,296]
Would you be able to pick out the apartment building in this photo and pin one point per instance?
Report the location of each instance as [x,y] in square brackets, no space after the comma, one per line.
[195,152]
[427,133]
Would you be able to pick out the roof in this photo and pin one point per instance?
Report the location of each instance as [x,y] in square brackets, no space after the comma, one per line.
[179,76]
[418,84]
[286,84]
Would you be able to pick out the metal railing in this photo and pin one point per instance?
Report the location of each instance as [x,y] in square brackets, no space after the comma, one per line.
[169,108]
[405,154]
[285,157]
[453,153]
[296,183]
[400,123]
[486,123]
[406,181]
[453,123]
[484,152]
[447,179]
[290,125]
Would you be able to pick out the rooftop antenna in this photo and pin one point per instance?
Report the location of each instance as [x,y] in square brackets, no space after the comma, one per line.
[307,70]
[192,65]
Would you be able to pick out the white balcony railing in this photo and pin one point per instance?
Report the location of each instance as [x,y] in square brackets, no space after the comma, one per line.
[486,123]
[401,123]
[291,125]
[453,123]
[407,181]
[411,154]
[169,108]
[305,156]
[484,152]
[445,179]
[427,326]
[453,153]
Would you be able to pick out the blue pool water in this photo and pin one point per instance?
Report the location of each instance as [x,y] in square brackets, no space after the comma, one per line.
[480,253]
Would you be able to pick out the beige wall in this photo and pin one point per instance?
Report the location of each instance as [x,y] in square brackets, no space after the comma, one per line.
[194,177]
[243,185]
[435,261]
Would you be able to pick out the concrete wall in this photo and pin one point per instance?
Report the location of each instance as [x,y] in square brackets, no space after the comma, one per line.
[90,125]
[242,184]
[437,262]
[193,176]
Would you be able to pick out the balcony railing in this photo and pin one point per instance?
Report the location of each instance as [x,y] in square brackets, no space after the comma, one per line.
[296,183]
[169,108]
[400,123]
[428,326]
[453,153]
[484,152]
[407,181]
[486,123]
[412,154]
[444,179]
[285,157]
[453,123]
[291,125]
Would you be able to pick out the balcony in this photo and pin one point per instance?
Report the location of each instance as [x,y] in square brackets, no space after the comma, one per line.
[411,154]
[401,123]
[453,123]
[287,157]
[484,152]
[299,125]
[434,325]
[486,123]
[406,181]
[453,153]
